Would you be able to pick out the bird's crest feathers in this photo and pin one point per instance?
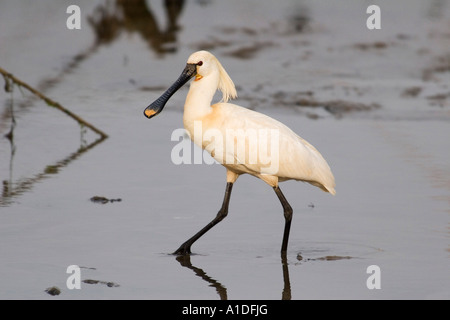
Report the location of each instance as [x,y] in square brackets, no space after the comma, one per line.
[226,85]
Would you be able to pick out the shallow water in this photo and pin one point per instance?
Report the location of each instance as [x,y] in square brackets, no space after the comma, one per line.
[375,103]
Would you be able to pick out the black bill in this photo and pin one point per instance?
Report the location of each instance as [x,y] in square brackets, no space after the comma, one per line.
[157,106]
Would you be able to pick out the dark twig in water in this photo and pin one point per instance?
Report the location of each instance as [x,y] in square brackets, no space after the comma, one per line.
[50,102]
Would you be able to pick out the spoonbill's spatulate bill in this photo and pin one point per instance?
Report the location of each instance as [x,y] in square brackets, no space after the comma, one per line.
[242,140]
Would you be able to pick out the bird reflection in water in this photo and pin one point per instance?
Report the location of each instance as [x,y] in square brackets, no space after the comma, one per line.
[109,20]
[135,16]
[185,261]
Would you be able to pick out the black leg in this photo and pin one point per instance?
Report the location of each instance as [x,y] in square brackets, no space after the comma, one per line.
[286,294]
[287,216]
[185,248]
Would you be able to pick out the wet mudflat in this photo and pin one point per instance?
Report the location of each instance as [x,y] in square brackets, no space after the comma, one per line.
[375,103]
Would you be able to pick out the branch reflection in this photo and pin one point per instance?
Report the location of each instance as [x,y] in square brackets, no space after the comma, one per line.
[107,20]
[12,189]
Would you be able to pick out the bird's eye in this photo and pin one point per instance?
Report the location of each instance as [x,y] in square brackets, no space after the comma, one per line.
[200,63]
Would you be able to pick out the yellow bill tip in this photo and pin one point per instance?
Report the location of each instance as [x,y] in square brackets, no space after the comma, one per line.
[149,112]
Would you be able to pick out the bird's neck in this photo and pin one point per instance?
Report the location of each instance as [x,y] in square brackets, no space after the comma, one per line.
[198,100]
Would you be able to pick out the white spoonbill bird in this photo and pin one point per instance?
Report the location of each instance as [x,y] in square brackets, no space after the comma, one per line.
[240,139]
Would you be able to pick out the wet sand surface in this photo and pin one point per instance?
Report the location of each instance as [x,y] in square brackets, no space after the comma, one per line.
[376,103]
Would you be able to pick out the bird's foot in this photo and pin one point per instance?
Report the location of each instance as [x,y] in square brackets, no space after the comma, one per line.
[184,249]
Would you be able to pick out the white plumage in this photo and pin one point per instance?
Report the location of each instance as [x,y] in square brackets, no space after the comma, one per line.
[298,159]
[242,140]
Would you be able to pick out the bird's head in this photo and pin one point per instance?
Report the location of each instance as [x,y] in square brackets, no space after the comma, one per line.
[200,65]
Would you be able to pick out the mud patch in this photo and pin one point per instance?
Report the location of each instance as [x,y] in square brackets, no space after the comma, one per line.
[107,283]
[334,252]
[439,67]
[103,200]
[152,88]
[411,92]
[439,100]
[53,291]
[371,46]
[325,258]
[248,52]
[336,107]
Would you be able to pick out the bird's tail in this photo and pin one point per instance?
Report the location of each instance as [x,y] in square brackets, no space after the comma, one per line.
[324,188]
[331,190]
